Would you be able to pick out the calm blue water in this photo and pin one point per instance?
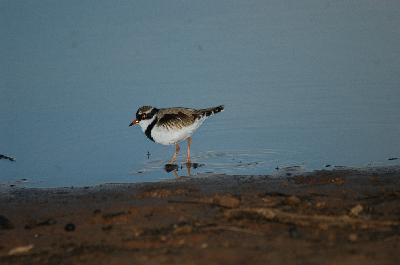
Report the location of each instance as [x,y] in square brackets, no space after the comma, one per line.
[304,83]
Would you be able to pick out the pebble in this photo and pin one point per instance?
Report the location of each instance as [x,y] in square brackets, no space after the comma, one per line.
[5,223]
[69,227]
[356,210]
[20,250]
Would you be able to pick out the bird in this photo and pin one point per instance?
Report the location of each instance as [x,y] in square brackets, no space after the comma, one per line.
[168,126]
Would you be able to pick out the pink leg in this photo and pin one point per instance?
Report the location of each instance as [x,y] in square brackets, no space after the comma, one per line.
[189,142]
[177,149]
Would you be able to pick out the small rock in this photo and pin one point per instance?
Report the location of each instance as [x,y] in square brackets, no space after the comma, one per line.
[7,157]
[5,223]
[20,250]
[356,210]
[69,227]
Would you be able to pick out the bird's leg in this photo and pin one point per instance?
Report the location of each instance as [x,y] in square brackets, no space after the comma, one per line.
[188,167]
[189,142]
[177,148]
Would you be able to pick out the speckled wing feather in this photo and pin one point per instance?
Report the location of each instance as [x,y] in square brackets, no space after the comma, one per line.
[177,117]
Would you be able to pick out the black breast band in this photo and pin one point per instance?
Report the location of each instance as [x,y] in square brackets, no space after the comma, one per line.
[149,128]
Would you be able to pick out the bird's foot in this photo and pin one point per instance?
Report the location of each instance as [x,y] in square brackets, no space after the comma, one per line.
[170,167]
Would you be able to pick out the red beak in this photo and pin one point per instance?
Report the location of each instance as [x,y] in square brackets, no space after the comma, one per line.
[134,122]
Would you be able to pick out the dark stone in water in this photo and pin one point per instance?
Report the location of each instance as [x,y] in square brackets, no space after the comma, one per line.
[393,158]
[7,157]
[69,227]
[328,165]
[5,223]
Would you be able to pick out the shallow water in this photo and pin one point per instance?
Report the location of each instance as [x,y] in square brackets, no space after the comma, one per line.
[306,84]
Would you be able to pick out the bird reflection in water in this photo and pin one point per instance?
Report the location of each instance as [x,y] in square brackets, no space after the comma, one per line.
[174,168]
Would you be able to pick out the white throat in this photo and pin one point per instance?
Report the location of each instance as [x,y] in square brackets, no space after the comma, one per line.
[145,123]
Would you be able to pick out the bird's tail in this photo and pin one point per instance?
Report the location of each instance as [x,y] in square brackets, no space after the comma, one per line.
[211,111]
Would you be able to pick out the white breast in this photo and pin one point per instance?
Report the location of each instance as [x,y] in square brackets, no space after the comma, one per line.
[167,136]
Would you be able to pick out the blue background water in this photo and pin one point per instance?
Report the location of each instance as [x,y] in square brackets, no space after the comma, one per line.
[304,83]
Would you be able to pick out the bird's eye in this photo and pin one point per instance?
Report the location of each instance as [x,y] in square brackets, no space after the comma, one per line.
[144,116]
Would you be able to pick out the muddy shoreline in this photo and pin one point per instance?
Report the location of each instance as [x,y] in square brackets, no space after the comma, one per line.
[324,217]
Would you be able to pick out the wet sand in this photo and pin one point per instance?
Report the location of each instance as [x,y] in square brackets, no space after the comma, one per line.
[324,217]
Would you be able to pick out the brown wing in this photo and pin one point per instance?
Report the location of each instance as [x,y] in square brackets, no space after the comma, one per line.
[178,118]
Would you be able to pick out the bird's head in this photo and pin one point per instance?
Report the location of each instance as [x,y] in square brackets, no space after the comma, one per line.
[144,116]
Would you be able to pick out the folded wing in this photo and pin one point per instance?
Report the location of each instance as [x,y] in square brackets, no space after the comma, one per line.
[178,119]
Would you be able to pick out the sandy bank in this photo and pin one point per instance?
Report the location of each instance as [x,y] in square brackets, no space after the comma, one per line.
[325,217]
